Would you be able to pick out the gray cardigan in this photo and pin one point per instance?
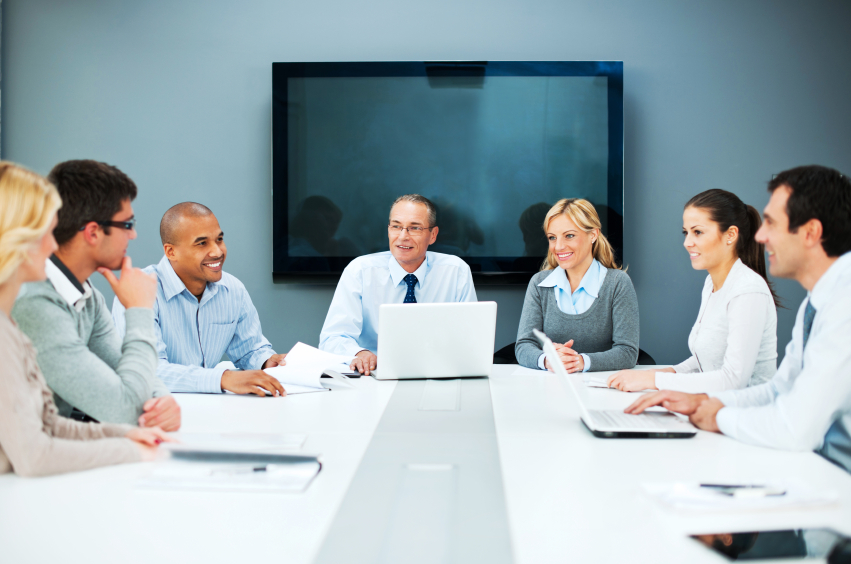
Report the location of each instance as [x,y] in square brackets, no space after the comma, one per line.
[84,360]
[607,332]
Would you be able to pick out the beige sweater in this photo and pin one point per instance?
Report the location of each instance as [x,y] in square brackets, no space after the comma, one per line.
[34,439]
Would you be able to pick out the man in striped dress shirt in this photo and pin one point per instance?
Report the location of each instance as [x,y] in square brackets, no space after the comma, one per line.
[201,312]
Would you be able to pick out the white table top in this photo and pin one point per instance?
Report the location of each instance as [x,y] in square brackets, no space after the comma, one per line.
[570,495]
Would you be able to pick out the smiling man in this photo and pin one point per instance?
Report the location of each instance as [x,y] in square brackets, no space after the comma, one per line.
[407,273]
[807,404]
[201,312]
[94,373]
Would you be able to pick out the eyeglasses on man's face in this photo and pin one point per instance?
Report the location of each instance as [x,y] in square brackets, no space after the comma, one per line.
[128,225]
[412,230]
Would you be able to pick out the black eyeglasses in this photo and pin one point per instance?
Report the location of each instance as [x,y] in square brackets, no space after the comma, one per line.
[128,225]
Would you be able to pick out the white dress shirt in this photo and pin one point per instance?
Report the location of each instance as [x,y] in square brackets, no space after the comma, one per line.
[807,405]
[371,280]
[733,343]
[574,303]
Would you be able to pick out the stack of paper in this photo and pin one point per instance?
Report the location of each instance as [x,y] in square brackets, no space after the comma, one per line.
[197,469]
[693,497]
[305,366]
[235,442]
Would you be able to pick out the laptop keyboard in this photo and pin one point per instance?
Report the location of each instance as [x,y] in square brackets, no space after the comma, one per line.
[618,420]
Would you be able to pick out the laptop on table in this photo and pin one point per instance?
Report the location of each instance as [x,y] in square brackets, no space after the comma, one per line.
[451,340]
[614,423]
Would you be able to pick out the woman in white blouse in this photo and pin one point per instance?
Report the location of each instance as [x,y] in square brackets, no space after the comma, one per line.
[733,343]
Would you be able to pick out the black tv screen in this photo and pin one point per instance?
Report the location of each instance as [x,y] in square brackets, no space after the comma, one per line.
[492,144]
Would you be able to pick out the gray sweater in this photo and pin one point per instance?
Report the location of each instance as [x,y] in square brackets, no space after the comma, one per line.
[82,357]
[607,332]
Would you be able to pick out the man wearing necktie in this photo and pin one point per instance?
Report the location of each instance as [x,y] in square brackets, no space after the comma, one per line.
[807,404]
[408,273]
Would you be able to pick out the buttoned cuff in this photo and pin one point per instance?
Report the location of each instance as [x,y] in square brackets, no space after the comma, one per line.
[727,421]
[587,362]
[727,397]
[210,381]
[541,360]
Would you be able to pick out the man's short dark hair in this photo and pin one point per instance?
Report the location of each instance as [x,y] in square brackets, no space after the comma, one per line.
[821,193]
[90,191]
[171,219]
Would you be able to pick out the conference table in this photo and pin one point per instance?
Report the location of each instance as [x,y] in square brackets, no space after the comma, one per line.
[547,491]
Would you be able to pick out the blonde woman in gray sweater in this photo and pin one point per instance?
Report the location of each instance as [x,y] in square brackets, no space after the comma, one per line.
[733,343]
[581,298]
[34,439]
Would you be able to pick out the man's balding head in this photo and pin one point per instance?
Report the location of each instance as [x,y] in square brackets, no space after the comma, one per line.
[194,244]
[170,224]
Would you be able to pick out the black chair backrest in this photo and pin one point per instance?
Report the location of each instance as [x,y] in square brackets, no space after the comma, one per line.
[506,355]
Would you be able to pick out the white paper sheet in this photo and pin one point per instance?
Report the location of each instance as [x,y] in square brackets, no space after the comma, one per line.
[305,366]
[250,442]
[691,497]
[291,477]
[523,371]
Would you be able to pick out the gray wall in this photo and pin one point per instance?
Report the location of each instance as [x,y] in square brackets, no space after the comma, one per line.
[177,94]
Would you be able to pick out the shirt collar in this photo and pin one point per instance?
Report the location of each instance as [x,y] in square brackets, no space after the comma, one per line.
[397,273]
[590,282]
[173,285]
[66,284]
[821,293]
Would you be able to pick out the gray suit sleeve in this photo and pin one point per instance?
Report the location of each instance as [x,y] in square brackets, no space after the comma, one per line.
[109,386]
[528,349]
[625,327]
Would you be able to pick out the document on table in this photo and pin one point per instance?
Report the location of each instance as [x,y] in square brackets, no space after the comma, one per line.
[305,366]
[236,442]
[523,371]
[693,497]
[596,379]
[192,469]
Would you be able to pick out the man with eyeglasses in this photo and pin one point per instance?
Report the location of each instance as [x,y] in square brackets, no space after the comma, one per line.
[407,273]
[94,374]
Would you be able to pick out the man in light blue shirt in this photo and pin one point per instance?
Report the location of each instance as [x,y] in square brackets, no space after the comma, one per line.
[407,273]
[807,404]
[201,312]
[574,303]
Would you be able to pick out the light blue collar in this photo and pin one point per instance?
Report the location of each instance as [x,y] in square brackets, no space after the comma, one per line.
[173,285]
[397,273]
[590,282]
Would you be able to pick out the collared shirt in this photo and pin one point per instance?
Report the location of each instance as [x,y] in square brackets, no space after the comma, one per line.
[371,280]
[580,301]
[72,290]
[807,405]
[193,336]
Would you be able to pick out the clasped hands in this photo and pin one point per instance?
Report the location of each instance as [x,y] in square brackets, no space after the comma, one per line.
[701,409]
[572,360]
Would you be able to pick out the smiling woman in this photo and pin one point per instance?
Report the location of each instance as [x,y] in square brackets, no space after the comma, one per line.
[733,343]
[581,298]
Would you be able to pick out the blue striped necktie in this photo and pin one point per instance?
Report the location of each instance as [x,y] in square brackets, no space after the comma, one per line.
[411,281]
[809,316]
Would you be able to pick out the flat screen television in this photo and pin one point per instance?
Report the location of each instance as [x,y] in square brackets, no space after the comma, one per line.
[492,144]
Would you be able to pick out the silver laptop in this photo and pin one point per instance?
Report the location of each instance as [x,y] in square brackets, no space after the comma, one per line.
[614,423]
[452,340]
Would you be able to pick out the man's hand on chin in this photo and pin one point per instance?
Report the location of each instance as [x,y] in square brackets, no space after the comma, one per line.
[706,414]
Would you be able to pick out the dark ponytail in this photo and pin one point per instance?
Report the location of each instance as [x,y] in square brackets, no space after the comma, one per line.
[726,209]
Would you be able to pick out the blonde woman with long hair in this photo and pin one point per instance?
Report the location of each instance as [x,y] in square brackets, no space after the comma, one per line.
[34,439]
[581,297]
